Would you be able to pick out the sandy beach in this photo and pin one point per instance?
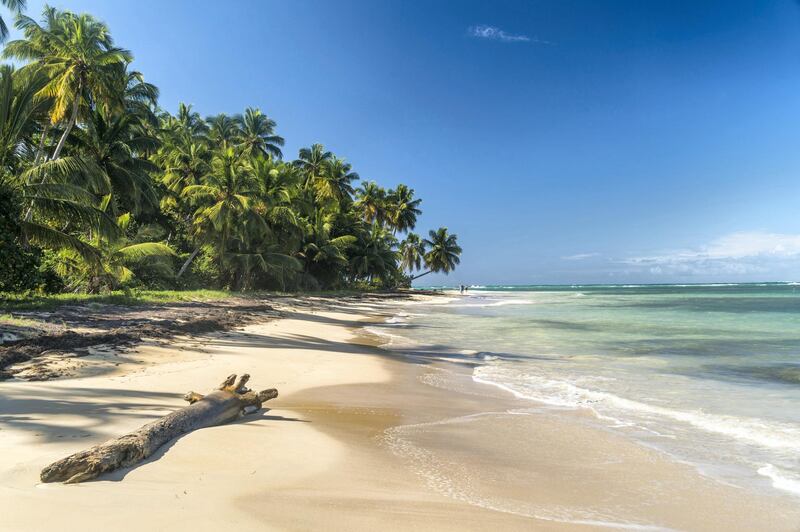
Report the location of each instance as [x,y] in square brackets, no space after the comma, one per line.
[358,439]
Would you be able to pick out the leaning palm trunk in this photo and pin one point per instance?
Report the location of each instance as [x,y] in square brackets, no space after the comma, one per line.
[421,275]
[42,141]
[72,119]
[230,400]
[188,262]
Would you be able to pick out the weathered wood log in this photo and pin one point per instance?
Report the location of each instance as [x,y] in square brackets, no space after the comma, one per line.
[230,400]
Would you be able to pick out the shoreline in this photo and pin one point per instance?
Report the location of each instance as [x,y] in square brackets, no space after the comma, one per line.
[359,438]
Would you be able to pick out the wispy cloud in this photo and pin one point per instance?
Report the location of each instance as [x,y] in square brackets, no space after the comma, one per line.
[493,33]
[580,256]
[736,253]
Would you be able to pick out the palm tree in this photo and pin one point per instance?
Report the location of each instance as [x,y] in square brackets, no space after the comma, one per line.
[227,204]
[258,134]
[190,121]
[223,130]
[19,112]
[78,56]
[17,6]
[140,98]
[56,203]
[118,258]
[323,254]
[412,251]
[115,144]
[371,200]
[276,182]
[335,182]
[373,254]
[402,208]
[185,163]
[443,252]
[313,161]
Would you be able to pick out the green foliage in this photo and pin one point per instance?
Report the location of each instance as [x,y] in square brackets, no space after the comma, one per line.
[117,193]
[19,267]
[26,301]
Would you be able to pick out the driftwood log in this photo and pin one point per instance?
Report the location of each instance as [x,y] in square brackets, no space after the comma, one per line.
[229,401]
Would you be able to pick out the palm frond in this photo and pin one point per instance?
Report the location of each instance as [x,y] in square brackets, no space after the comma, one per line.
[52,238]
[138,252]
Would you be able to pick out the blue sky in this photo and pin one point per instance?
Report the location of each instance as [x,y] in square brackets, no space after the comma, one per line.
[563,141]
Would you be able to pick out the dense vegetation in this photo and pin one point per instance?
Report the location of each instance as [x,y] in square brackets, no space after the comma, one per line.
[101,189]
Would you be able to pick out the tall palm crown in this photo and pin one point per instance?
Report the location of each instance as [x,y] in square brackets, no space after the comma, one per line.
[443,251]
[402,208]
[190,122]
[223,130]
[258,133]
[78,56]
[185,162]
[411,252]
[313,161]
[335,181]
[371,200]
[139,97]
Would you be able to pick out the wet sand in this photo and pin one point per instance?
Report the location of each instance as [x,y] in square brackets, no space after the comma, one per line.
[359,439]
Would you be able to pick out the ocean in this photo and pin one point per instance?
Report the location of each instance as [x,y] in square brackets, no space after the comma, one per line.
[708,374]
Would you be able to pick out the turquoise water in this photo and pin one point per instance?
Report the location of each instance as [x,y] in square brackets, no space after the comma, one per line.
[707,373]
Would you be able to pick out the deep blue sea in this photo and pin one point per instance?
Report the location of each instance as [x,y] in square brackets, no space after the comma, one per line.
[707,373]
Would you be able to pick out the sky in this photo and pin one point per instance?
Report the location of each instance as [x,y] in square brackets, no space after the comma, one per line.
[563,141]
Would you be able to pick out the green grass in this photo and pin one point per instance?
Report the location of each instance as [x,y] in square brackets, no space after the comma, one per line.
[10,301]
[14,301]
[8,319]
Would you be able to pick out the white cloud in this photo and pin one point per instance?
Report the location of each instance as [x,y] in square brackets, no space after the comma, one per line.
[734,254]
[483,31]
[580,256]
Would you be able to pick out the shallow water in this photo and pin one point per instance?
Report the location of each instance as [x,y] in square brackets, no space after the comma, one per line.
[709,374]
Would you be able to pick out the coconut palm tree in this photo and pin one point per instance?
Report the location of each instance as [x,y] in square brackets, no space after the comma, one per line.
[323,254]
[56,204]
[402,208]
[314,162]
[334,184]
[443,252]
[118,257]
[258,134]
[190,122]
[139,97]
[115,144]
[224,130]
[19,112]
[227,204]
[185,162]
[373,255]
[78,56]
[371,201]
[411,252]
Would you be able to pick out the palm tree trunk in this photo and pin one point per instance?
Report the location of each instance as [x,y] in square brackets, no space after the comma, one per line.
[188,262]
[40,151]
[421,275]
[72,119]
